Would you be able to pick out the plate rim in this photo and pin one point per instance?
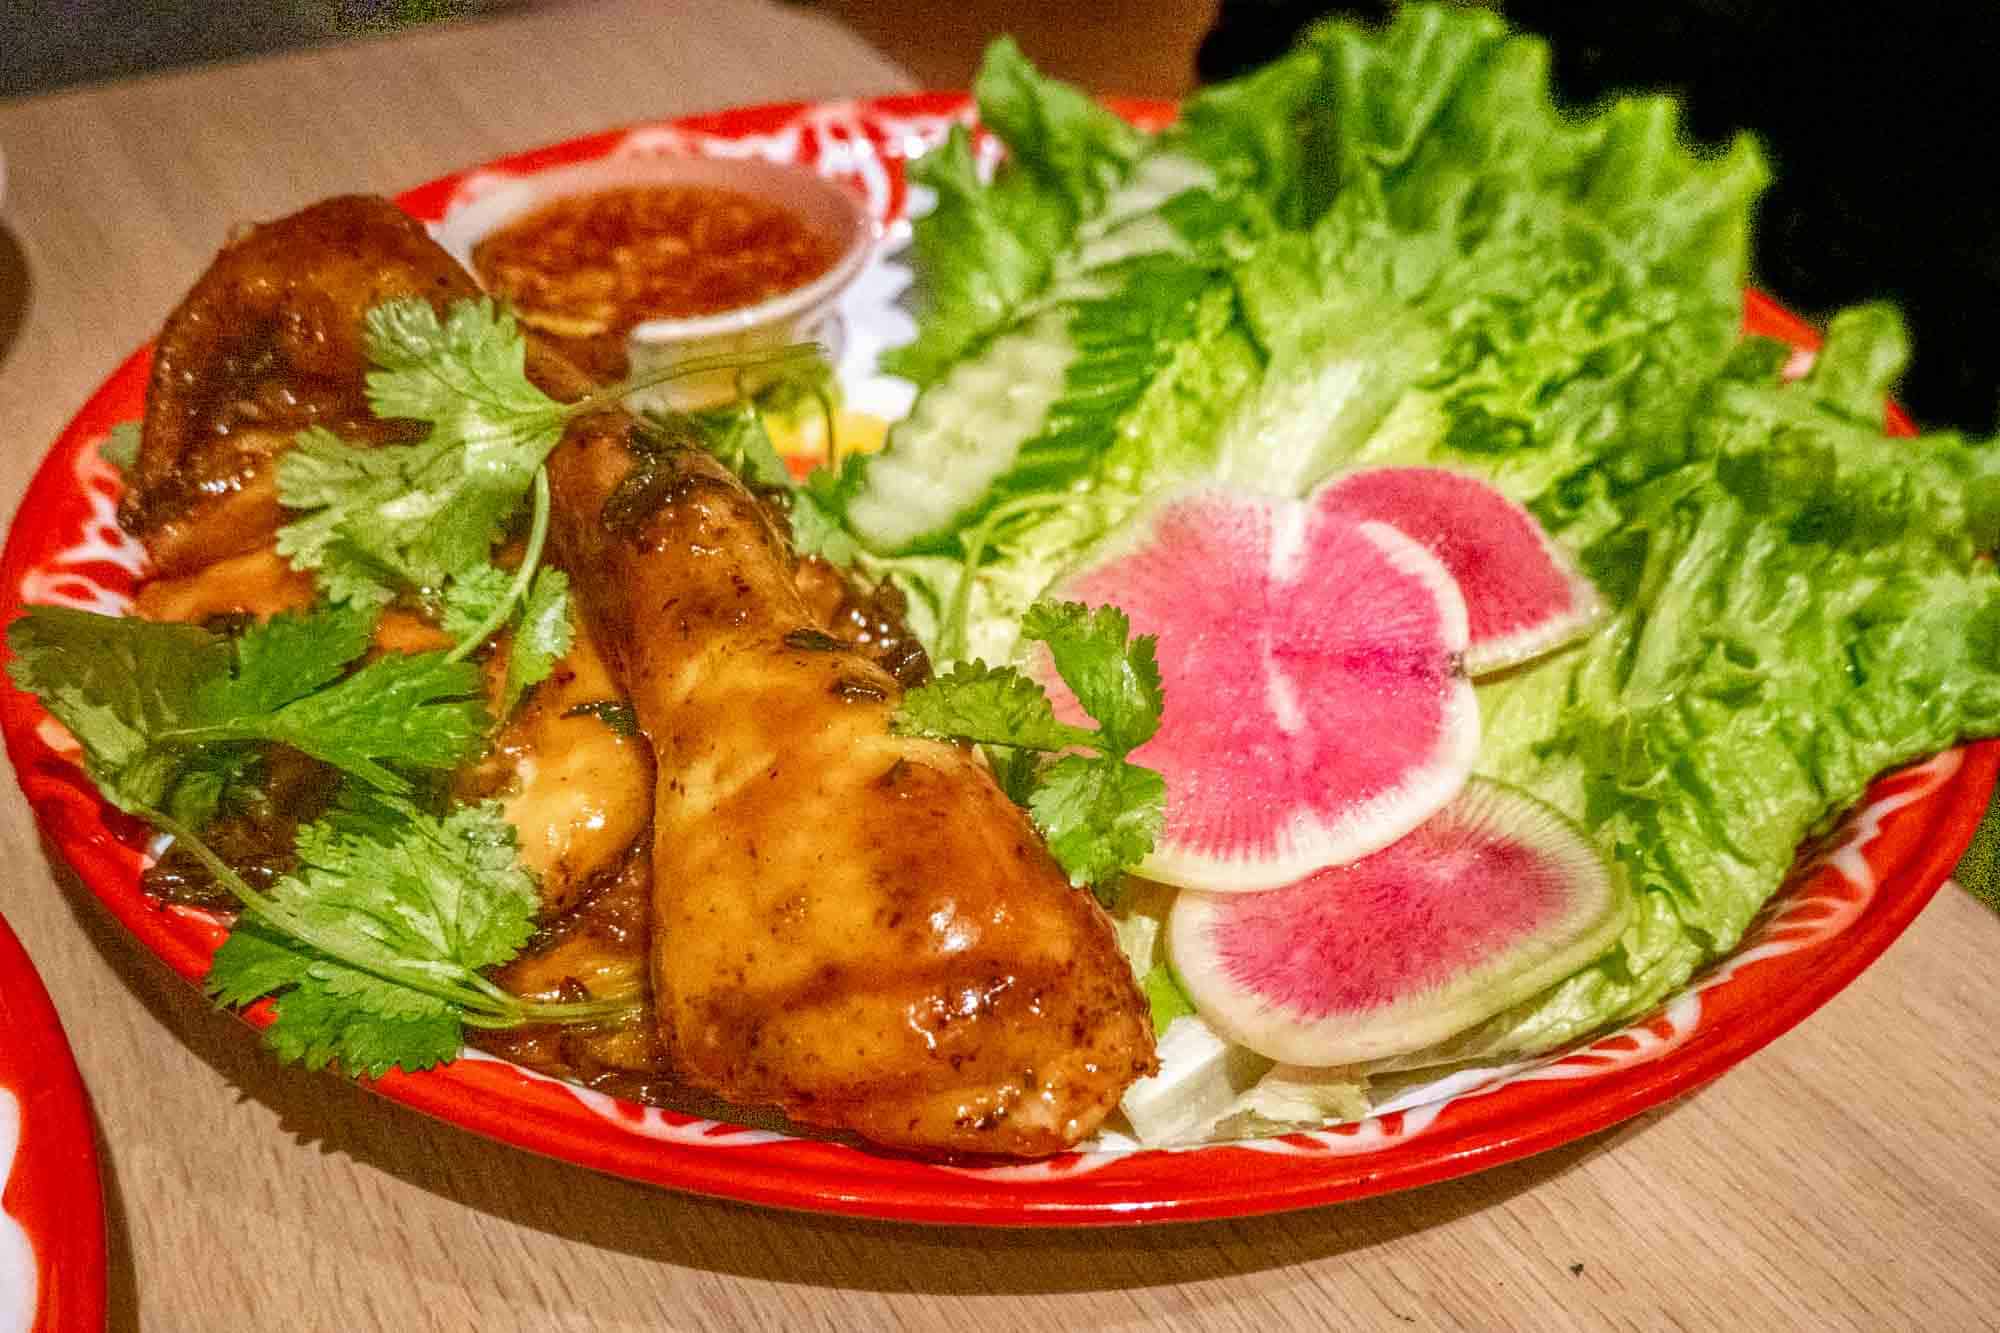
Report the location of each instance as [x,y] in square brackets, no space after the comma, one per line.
[1916,849]
[65,1225]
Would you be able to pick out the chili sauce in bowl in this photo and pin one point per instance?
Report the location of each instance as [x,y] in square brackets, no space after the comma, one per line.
[640,262]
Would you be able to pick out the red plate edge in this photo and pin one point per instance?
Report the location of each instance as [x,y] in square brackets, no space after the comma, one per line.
[56,1191]
[1915,852]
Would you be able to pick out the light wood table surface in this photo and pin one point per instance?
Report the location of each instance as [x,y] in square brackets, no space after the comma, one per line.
[1844,1178]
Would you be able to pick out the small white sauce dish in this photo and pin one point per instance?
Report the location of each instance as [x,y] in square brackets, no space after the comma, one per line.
[802,314]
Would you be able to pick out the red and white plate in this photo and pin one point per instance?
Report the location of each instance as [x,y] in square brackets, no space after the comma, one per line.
[51,1208]
[1850,896]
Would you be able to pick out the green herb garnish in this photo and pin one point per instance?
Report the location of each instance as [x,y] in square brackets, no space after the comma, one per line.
[1098,812]
[374,944]
[736,435]
[621,717]
[168,713]
[373,948]
[120,447]
[375,524]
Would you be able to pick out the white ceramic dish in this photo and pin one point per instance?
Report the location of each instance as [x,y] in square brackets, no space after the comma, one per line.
[803,314]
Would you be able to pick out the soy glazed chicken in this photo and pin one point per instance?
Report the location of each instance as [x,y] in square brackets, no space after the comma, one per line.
[855,927]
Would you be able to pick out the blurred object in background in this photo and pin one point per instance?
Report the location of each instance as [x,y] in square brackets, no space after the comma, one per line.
[1874,116]
[1137,48]
[46,44]
[1876,119]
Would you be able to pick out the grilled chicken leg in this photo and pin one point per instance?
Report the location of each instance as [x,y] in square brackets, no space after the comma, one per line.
[855,926]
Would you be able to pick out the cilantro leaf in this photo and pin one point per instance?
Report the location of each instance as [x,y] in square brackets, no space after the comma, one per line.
[204,780]
[406,907]
[542,636]
[337,490]
[156,704]
[1015,770]
[1099,815]
[316,1026]
[416,515]
[735,434]
[399,884]
[286,657]
[987,705]
[417,710]
[815,530]
[466,375]
[542,632]
[1116,679]
[253,962]
[327,1013]
[375,523]
[473,597]
[115,684]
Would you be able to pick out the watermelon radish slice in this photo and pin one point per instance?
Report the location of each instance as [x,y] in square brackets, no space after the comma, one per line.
[1316,709]
[1491,900]
[1523,594]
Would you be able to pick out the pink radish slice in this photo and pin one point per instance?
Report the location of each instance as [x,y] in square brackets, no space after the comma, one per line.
[1316,709]
[1490,901]
[1523,594]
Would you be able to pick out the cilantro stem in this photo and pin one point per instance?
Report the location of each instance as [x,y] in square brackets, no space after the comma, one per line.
[694,365]
[268,910]
[477,1000]
[522,1013]
[953,633]
[554,1011]
[531,560]
[828,416]
[597,1009]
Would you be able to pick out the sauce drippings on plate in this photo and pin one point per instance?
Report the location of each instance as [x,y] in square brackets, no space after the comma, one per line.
[592,266]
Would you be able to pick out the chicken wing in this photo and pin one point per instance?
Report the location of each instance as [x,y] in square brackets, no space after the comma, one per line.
[269,341]
[855,926]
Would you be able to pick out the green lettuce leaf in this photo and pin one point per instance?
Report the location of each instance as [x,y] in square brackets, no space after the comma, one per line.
[1804,606]
[1493,283]
[986,248]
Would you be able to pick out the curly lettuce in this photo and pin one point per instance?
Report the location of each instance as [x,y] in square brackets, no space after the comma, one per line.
[1392,245]
[1801,605]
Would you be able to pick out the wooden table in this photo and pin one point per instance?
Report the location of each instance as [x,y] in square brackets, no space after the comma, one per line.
[1844,1178]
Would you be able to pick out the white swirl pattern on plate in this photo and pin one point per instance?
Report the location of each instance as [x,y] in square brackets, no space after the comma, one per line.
[17,1254]
[647,1122]
[64,579]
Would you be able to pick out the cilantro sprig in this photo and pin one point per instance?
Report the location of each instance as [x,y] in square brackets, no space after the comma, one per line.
[169,714]
[375,944]
[373,947]
[374,524]
[1099,812]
